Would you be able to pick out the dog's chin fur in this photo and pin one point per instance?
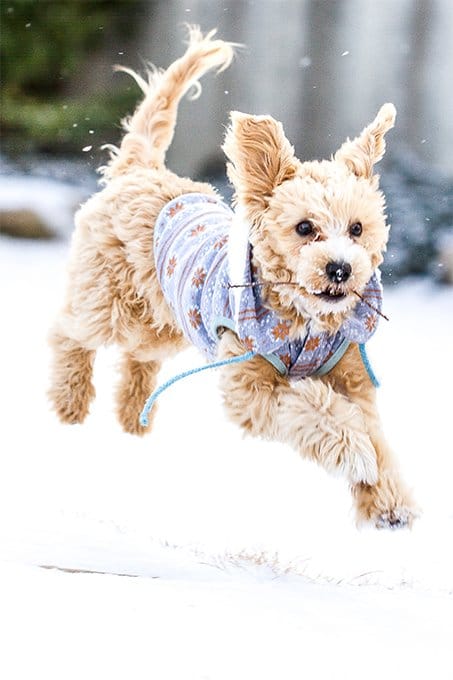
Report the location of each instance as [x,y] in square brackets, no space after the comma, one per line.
[114,295]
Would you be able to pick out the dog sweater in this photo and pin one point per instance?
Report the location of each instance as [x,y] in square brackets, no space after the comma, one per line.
[192,263]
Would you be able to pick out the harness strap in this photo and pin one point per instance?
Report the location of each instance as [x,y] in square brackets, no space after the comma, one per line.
[216,364]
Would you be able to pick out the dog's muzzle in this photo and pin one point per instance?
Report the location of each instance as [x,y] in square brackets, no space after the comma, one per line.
[338,273]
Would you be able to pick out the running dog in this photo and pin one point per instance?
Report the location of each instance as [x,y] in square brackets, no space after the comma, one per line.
[288,282]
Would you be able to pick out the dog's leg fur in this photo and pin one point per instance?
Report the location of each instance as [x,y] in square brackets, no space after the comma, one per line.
[83,325]
[333,420]
[138,380]
[388,503]
[72,389]
[113,294]
[310,416]
[138,376]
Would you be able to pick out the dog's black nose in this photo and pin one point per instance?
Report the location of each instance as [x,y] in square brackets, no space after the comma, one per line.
[338,271]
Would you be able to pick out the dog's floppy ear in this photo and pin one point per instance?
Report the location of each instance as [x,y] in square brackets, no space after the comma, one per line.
[260,158]
[361,153]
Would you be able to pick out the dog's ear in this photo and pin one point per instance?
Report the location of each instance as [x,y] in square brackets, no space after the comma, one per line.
[361,153]
[260,158]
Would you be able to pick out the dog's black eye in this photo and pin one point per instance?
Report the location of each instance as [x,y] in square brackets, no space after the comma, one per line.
[304,228]
[355,229]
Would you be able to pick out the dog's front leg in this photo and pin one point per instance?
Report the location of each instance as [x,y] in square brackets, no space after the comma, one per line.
[310,416]
[388,503]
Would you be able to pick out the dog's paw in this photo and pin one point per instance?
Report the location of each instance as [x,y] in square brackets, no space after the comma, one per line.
[72,405]
[385,504]
[396,518]
[130,423]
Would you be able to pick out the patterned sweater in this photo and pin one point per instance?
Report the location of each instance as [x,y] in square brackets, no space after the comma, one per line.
[191,256]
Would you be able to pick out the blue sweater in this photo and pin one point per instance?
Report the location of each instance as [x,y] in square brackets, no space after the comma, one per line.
[191,256]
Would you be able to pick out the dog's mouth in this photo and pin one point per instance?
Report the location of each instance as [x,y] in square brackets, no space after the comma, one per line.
[331,295]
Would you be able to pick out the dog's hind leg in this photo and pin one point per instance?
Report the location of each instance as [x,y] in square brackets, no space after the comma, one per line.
[310,416]
[138,380]
[71,390]
[83,325]
[139,369]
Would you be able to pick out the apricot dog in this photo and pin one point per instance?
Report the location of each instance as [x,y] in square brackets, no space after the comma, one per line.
[291,277]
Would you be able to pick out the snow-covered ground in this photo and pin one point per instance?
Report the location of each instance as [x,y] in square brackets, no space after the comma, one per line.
[215,557]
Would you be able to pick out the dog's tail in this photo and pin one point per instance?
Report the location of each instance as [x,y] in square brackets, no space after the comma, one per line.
[149,131]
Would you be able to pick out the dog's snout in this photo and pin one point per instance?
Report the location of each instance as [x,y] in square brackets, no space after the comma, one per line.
[338,272]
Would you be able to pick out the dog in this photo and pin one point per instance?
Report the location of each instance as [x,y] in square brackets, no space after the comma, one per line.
[306,239]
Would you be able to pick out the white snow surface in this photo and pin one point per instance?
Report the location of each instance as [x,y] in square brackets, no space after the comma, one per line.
[196,554]
[53,201]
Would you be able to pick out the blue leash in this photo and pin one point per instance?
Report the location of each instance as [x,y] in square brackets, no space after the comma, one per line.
[156,394]
[366,363]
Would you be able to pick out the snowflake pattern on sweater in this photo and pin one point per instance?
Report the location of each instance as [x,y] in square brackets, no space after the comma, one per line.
[191,256]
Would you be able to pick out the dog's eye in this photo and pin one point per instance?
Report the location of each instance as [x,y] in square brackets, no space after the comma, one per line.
[304,228]
[356,229]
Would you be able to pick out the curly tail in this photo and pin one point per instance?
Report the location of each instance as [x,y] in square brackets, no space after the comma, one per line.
[149,131]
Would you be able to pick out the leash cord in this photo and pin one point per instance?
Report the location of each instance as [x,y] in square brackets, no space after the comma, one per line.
[144,420]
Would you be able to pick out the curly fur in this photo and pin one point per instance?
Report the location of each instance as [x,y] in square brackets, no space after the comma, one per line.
[113,295]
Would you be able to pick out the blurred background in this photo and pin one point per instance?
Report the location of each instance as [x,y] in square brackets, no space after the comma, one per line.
[322,67]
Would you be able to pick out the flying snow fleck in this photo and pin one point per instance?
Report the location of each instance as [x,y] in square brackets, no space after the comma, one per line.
[345,54]
[305,62]
[87,148]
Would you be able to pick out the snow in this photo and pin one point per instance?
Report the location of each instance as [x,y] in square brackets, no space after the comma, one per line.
[53,201]
[195,553]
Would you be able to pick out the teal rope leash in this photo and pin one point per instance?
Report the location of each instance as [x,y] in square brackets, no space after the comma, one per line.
[156,394]
[366,363]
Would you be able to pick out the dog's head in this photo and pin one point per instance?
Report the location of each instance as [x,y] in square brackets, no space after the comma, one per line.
[320,225]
